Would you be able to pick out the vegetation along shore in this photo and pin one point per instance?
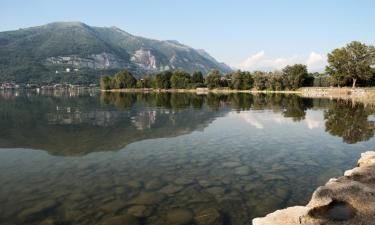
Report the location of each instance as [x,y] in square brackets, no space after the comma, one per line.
[347,66]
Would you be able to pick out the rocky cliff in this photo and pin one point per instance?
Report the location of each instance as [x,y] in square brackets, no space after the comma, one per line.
[347,200]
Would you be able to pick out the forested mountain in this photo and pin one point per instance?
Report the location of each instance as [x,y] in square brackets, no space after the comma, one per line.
[77,53]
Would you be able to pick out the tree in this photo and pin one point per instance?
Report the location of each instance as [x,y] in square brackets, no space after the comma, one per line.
[355,61]
[294,76]
[124,79]
[180,79]
[213,79]
[162,80]
[146,82]
[260,80]
[197,77]
[274,82]
[247,81]
[241,80]
[236,80]
[105,83]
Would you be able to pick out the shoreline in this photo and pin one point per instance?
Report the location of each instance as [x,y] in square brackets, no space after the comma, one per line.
[347,200]
[364,95]
[197,90]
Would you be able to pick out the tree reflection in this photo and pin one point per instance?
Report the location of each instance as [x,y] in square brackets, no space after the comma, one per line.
[350,121]
[295,107]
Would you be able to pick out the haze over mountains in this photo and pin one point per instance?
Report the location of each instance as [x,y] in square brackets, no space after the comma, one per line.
[77,53]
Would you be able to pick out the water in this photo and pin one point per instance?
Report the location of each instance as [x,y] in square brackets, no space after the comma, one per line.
[91,158]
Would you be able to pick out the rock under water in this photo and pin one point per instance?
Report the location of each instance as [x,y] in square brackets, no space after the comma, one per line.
[347,200]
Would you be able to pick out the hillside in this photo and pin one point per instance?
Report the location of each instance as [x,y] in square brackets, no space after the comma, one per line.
[43,54]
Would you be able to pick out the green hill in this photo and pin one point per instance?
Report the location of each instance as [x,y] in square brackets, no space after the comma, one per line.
[77,53]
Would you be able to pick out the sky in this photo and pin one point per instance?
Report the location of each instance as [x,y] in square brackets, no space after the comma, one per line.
[245,34]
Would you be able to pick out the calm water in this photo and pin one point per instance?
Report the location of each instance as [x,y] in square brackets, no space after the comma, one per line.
[87,158]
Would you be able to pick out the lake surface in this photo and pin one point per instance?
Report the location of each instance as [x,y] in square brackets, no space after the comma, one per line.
[120,158]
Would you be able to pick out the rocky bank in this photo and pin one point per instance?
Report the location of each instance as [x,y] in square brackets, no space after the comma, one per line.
[347,200]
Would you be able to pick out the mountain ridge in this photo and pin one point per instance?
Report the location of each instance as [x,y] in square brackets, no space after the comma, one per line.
[78,53]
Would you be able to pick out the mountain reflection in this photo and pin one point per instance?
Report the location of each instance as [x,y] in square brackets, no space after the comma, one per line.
[76,125]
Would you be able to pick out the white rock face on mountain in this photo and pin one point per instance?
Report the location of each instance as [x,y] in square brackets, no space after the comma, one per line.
[93,61]
[145,59]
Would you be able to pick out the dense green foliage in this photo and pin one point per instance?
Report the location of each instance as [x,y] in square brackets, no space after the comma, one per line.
[121,80]
[105,83]
[197,77]
[291,78]
[213,79]
[180,80]
[162,80]
[354,62]
[124,79]
[241,80]
[294,76]
[350,65]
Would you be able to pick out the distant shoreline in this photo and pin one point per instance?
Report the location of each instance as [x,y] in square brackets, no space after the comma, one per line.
[365,95]
[199,90]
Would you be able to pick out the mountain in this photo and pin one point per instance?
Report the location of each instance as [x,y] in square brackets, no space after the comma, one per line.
[78,53]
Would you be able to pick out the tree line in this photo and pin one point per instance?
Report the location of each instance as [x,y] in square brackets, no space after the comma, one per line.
[350,65]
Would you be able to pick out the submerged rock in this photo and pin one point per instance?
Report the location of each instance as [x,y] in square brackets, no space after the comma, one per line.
[209,216]
[171,189]
[139,211]
[38,210]
[113,206]
[154,184]
[184,181]
[208,183]
[231,164]
[121,220]
[216,190]
[242,171]
[347,200]
[148,198]
[180,217]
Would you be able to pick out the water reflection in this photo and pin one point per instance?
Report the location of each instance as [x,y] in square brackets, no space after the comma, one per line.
[154,159]
[52,121]
[344,118]
[350,121]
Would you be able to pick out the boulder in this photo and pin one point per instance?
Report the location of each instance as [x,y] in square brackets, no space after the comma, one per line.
[347,200]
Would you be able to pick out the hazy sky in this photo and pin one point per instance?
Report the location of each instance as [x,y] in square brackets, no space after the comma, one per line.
[249,34]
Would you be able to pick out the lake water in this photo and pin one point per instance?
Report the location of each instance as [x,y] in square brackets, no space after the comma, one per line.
[91,158]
